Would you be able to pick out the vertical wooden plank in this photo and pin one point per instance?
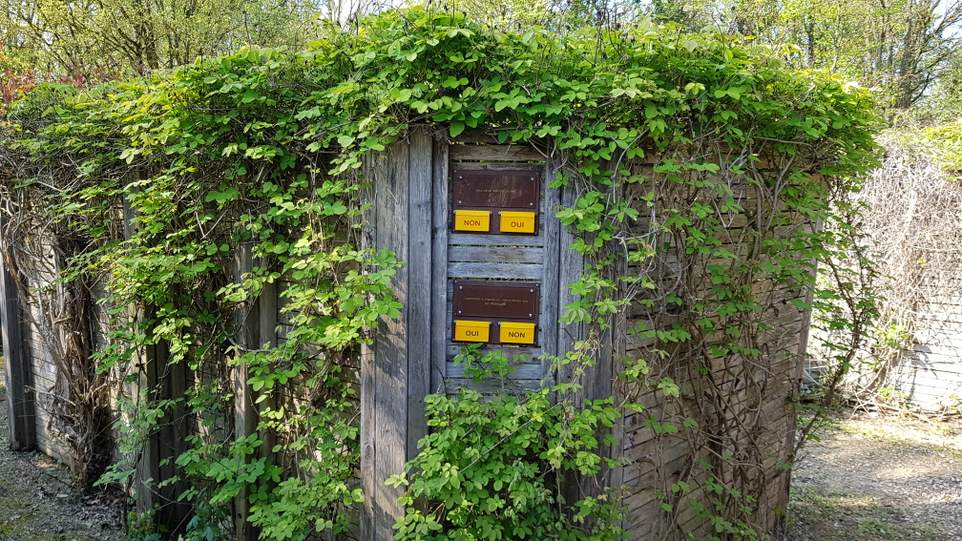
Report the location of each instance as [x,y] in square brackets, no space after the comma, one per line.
[148,467]
[600,377]
[385,373]
[160,380]
[550,311]
[619,352]
[18,376]
[597,379]
[570,265]
[368,383]
[245,412]
[439,254]
[267,336]
[390,360]
[148,464]
[176,426]
[420,171]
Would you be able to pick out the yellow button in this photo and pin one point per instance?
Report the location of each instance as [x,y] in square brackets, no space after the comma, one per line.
[517,222]
[472,220]
[516,333]
[471,331]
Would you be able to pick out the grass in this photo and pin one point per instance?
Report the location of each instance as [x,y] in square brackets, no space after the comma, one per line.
[19,518]
[849,517]
[908,432]
[868,477]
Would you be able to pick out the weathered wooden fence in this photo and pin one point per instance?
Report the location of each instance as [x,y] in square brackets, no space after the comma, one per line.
[485,261]
[21,408]
[929,374]
[418,193]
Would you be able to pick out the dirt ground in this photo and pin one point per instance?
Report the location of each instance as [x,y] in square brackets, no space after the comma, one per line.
[37,502]
[880,478]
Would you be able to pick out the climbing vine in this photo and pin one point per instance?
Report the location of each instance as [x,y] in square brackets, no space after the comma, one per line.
[702,166]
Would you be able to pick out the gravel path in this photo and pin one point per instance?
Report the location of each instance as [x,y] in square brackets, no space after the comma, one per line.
[37,502]
[880,478]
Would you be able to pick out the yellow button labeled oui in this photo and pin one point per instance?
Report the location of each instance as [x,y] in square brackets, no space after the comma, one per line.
[517,221]
[472,220]
[471,331]
[516,333]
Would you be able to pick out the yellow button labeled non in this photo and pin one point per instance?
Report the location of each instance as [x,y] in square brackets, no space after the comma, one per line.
[471,331]
[472,220]
[517,221]
[516,333]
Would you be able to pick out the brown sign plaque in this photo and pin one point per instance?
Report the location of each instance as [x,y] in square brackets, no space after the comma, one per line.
[495,189]
[518,301]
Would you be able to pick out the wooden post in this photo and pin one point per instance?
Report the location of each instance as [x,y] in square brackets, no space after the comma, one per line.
[148,466]
[148,463]
[267,319]
[420,286]
[551,306]
[159,380]
[177,424]
[21,407]
[439,271]
[245,411]
[396,373]
[570,266]
[597,379]
[794,399]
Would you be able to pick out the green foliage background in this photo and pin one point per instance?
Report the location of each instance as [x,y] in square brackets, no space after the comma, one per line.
[264,149]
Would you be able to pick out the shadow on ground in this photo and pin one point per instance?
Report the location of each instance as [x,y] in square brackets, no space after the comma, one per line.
[879,478]
[38,502]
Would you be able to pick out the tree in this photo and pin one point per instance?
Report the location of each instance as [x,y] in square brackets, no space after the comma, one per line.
[899,46]
[104,39]
[929,40]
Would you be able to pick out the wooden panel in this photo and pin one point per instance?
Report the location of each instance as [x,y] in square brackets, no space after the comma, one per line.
[246,321]
[930,374]
[762,388]
[470,239]
[390,359]
[368,383]
[570,266]
[550,272]
[506,271]
[439,271]
[420,290]
[492,387]
[176,427]
[525,370]
[495,153]
[529,353]
[496,254]
[506,257]
[267,323]
[399,371]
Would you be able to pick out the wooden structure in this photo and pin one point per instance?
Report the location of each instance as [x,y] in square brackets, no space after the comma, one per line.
[18,370]
[415,214]
[415,203]
[29,352]
[412,357]
[930,374]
